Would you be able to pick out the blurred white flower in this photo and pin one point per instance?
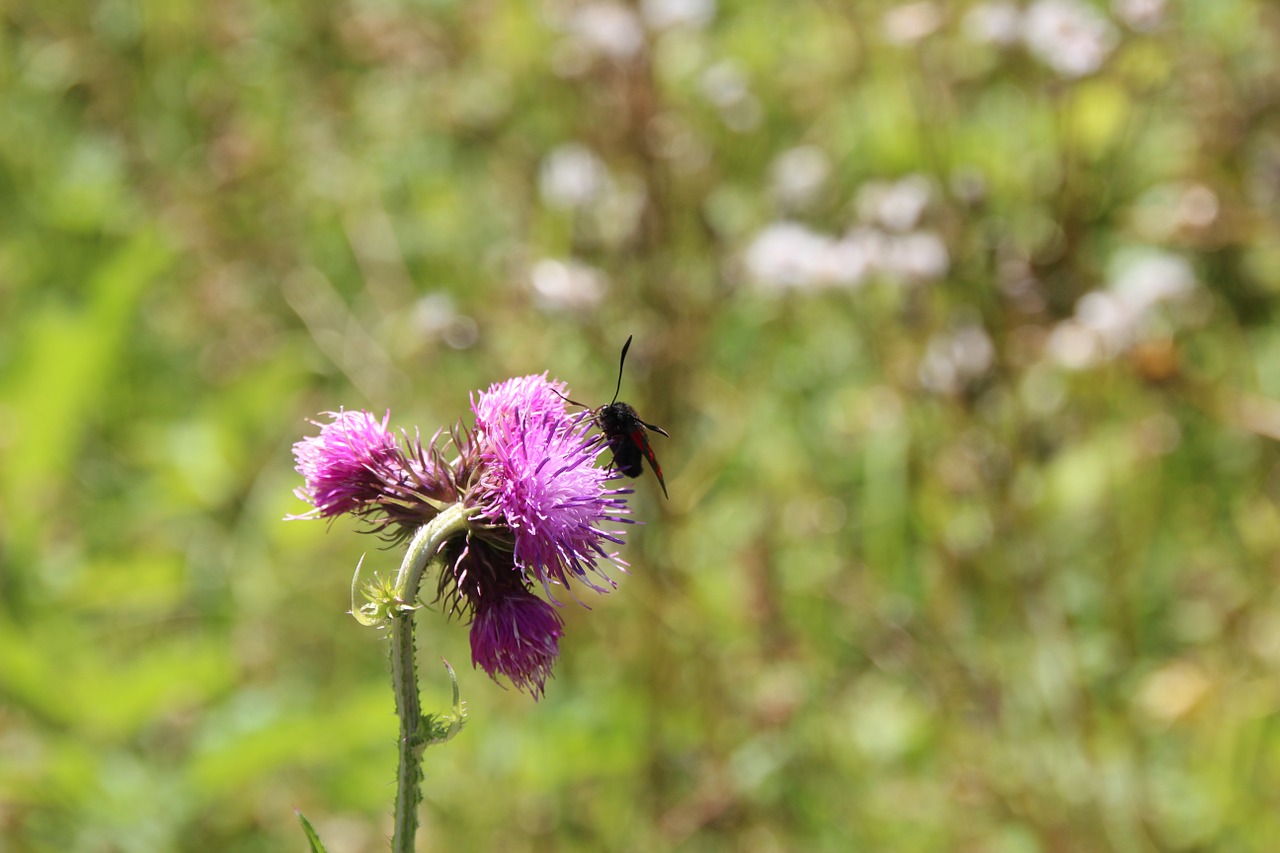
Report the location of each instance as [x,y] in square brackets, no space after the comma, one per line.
[571,176]
[870,244]
[918,256]
[618,212]
[849,261]
[998,22]
[911,22]
[1068,36]
[1140,15]
[1197,207]
[1111,319]
[897,205]
[566,285]
[1072,345]
[434,312]
[725,85]
[1167,210]
[664,14]
[608,29]
[436,317]
[798,174]
[790,255]
[1108,322]
[954,359]
[1143,278]
[972,350]
[743,116]
[786,255]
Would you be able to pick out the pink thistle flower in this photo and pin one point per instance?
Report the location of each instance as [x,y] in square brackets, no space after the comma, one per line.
[517,635]
[538,479]
[546,516]
[530,397]
[544,513]
[348,466]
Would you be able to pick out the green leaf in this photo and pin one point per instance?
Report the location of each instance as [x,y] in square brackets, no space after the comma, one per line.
[317,846]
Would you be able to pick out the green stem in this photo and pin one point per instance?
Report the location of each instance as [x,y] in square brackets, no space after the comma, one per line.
[404,677]
[424,545]
[423,551]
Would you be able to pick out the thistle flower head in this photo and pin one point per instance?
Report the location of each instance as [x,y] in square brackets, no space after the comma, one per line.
[347,467]
[355,465]
[538,480]
[528,397]
[517,635]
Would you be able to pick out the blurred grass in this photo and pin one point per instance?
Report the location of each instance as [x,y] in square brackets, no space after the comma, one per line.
[1026,608]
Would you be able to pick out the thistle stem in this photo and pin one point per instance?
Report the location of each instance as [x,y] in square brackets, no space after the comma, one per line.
[404,677]
[423,551]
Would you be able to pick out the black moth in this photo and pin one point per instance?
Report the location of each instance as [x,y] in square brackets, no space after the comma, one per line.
[627,435]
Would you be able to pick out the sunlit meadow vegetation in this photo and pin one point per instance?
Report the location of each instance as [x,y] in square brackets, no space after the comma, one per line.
[961,316]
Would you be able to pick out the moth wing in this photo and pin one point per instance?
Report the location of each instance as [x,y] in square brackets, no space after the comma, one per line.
[641,440]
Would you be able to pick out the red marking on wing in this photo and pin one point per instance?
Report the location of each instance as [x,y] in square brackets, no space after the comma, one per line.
[641,440]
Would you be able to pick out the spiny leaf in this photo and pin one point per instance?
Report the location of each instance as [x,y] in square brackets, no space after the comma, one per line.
[317,846]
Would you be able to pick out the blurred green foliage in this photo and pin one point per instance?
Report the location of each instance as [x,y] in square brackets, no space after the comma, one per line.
[972,550]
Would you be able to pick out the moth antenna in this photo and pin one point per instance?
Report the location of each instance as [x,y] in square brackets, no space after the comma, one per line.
[621,362]
[567,400]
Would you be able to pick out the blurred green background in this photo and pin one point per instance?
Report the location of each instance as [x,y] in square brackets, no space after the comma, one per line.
[961,317]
